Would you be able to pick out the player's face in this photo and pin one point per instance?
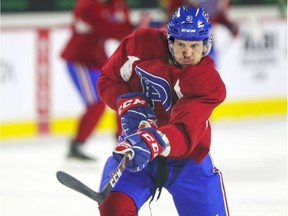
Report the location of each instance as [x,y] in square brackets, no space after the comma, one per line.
[187,52]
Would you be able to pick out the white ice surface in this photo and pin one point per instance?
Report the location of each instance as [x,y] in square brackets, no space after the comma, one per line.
[252,156]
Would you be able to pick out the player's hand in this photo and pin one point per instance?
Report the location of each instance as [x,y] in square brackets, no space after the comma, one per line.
[132,109]
[142,124]
[143,147]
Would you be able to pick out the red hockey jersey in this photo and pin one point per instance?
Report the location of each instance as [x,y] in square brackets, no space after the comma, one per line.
[93,23]
[183,99]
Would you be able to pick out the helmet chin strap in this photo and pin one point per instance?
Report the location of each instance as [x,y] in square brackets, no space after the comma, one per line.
[204,53]
[207,45]
[172,59]
[171,50]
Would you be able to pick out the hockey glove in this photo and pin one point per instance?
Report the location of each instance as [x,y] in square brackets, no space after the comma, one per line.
[132,109]
[143,147]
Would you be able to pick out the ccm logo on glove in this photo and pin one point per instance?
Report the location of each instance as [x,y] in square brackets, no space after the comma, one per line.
[152,143]
[131,103]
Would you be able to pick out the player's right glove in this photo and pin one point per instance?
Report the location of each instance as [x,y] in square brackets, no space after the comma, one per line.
[133,108]
[142,147]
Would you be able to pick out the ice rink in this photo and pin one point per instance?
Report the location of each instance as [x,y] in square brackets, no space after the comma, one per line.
[252,154]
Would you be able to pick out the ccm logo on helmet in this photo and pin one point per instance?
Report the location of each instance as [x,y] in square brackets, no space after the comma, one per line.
[188,30]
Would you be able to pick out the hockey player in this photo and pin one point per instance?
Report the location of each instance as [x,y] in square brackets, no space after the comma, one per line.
[166,81]
[95,21]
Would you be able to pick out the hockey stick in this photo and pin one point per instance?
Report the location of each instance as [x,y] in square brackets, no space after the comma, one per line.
[99,197]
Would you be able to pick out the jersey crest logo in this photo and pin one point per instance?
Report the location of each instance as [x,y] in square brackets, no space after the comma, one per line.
[155,88]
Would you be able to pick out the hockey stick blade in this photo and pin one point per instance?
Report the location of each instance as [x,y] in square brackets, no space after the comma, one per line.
[77,185]
[99,197]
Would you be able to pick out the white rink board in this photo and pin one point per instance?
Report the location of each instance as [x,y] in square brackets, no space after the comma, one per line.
[254,64]
[17,88]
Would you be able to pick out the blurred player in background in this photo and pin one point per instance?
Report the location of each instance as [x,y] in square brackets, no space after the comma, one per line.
[164,86]
[94,21]
[217,10]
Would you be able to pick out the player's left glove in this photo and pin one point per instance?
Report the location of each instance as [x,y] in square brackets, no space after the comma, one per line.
[143,147]
[133,108]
